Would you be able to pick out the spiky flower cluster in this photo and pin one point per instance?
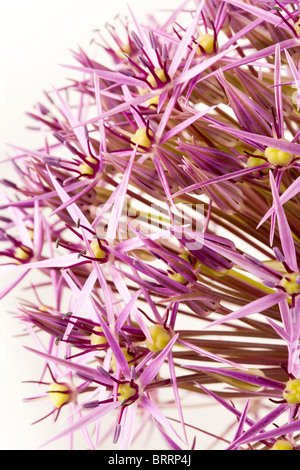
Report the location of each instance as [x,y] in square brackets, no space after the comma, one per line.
[162,215]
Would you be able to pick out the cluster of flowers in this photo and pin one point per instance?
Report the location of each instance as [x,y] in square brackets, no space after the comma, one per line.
[162,214]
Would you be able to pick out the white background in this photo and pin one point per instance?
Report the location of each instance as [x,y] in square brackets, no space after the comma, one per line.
[35,37]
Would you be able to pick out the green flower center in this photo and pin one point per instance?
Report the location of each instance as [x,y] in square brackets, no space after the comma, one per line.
[160,337]
[125,391]
[292,392]
[59,394]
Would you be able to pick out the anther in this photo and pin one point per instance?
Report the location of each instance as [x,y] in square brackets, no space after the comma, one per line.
[87,168]
[125,392]
[8,183]
[97,250]
[82,375]
[70,147]
[126,72]
[43,109]
[104,372]
[86,132]
[129,357]
[132,372]
[59,137]
[256,159]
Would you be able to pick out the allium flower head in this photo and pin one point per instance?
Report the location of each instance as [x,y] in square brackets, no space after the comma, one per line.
[162,213]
